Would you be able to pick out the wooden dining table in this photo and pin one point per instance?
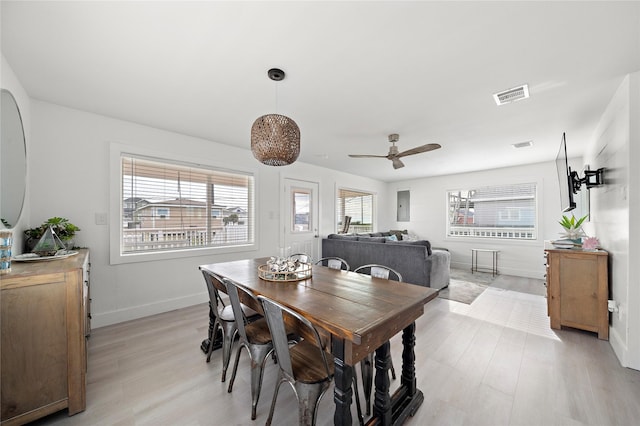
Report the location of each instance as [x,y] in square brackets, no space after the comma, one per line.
[357,314]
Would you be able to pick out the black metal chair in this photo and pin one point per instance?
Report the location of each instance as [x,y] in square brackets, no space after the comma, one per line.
[254,337]
[334,263]
[306,366]
[225,320]
[366,365]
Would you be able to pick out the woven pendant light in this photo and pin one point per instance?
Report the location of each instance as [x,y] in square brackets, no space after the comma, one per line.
[275,138]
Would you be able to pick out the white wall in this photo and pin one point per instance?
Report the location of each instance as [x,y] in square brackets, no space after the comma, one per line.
[614,212]
[69,165]
[429,216]
[10,82]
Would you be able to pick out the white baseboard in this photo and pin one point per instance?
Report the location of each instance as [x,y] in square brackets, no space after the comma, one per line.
[134,312]
[619,347]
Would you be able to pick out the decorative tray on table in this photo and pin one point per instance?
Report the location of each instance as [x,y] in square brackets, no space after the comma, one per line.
[33,257]
[268,272]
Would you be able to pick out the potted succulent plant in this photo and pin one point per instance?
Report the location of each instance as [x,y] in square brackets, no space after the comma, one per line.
[64,229]
[573,228]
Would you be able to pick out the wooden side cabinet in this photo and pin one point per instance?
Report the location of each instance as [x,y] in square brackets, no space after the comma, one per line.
[45,325]
[578,290]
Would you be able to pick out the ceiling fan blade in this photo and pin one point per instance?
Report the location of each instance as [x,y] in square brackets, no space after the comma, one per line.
[366,156]
[397,164]
[419,149]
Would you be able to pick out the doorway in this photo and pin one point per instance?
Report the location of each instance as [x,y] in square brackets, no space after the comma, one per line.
[300,218]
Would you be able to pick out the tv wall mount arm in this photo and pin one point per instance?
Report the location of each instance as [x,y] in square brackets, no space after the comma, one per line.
[592,178]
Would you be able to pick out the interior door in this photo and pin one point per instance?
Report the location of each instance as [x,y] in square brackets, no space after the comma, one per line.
[300,218]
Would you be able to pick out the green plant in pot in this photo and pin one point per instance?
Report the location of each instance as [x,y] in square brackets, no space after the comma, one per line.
[573,228]
[64,229]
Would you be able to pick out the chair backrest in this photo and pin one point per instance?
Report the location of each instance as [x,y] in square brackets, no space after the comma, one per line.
[212,281]
[301,257]
[379,271]
[233,291]
[275,314]
[334,263]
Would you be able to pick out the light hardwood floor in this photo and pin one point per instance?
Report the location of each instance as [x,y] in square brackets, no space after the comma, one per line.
[494,362]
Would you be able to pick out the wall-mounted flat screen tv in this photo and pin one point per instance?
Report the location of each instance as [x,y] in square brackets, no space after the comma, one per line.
[565,180]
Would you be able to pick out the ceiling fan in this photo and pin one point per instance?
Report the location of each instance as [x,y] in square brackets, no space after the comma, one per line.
[394,155]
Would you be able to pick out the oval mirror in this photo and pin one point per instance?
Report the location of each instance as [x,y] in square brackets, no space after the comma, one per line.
[13,161]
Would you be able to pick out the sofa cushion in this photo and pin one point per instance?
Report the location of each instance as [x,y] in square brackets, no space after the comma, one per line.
[343,237]
[372,239]
[425,243]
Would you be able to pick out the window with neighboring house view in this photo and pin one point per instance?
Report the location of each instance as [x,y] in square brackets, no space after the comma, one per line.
[168,206]
[359,206]
[500,211]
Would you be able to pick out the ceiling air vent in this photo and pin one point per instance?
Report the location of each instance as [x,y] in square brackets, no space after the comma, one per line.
[522,144]
[512,95]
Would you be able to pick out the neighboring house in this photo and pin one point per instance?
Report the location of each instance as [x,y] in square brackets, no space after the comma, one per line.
[241,215]
[129,207]
[173,213]
[181,213]
[492,207]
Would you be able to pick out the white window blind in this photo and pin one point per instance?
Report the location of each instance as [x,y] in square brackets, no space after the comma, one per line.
[359,206]
[176,206]
[500,211]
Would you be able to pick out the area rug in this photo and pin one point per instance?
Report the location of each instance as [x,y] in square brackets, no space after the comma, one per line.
[465,287]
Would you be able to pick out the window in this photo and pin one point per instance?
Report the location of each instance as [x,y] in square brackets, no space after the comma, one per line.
[500,211]
[301,210]
[359,206]
[162,213]
[170,206]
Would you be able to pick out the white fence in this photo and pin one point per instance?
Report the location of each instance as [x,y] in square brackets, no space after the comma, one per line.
[493,232]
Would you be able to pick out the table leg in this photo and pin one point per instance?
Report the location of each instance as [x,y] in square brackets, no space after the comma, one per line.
[217,339]
[495,263]
[382,400]
[408,398]
[343,377]
[408,378]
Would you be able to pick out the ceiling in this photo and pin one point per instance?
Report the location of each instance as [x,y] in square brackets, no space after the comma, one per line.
[356,72]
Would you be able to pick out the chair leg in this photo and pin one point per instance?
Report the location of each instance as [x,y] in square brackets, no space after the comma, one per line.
[366,368]
[308,398]
[235,368]
[259,355]
[281,380]
[357,397]
[229,330]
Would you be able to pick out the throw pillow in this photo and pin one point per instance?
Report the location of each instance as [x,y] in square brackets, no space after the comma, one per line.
[399,234]
[392,238]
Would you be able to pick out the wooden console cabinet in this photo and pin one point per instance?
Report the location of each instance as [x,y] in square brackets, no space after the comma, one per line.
[45,325]
[578,290]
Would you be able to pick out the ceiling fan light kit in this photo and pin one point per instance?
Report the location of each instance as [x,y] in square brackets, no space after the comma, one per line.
[394,155]
[275,138]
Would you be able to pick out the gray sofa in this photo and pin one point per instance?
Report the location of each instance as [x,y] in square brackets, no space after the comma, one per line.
[416,261]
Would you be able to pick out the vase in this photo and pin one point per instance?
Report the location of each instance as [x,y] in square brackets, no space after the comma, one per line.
[6,241]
